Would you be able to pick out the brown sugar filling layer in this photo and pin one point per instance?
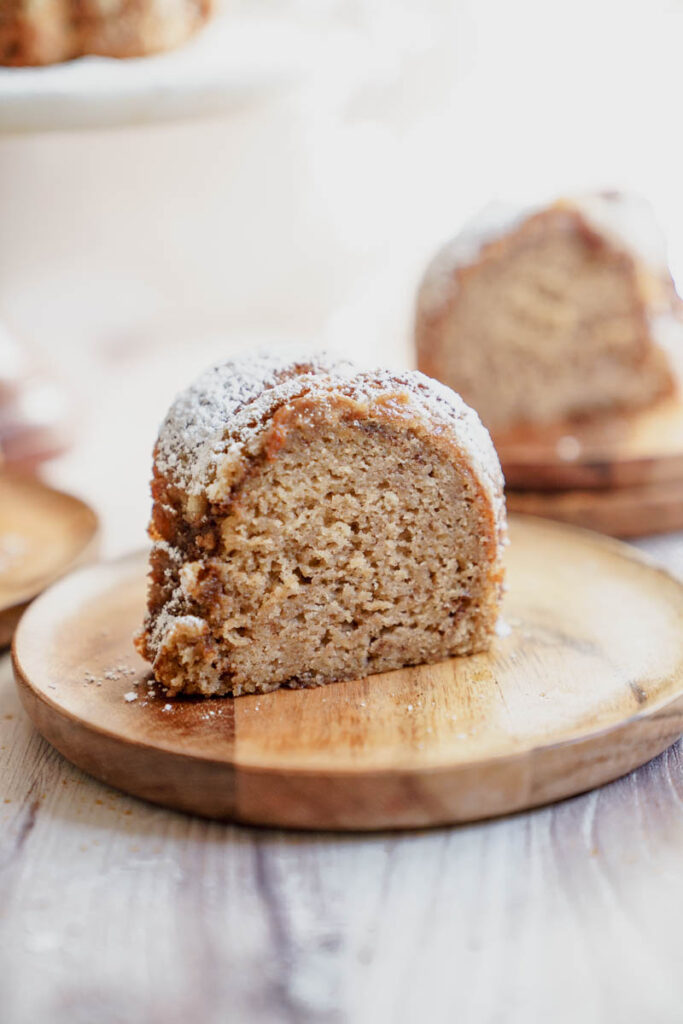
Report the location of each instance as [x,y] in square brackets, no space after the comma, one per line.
[353,549]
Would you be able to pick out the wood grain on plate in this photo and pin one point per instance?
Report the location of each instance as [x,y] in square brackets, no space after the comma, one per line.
[587,685]
[598,453]
[620,511]
[43,534]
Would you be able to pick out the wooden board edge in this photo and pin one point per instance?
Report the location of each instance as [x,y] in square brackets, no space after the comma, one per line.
[624,513]
[597,474]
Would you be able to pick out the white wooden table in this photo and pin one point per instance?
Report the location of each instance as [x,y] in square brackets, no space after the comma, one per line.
[112,911]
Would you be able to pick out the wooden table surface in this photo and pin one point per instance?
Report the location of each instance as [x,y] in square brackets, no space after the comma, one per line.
[115,911]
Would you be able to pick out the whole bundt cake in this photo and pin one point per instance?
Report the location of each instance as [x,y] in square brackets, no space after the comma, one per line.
[49,31]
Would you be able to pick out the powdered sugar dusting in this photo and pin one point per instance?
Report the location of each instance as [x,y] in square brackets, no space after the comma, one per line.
[207,407]
[225,413]
[503,627]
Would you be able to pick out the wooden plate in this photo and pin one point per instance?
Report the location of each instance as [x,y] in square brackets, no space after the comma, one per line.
[642,449]
[43,534]
[620,512]
[587,685]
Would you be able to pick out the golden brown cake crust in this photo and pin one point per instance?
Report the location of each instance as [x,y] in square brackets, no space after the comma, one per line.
[225,471]
[611,234]
[51,31]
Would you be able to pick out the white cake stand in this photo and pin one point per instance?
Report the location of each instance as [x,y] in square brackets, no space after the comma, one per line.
[232,60]
[90,200]
[135,219]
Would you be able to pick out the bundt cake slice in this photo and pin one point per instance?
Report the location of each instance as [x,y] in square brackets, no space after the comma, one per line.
[314,523]
[50,31]
[553,314]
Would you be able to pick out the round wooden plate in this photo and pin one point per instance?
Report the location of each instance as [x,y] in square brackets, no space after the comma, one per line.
[586,685]
[618,452]
[43,534]
[620,511]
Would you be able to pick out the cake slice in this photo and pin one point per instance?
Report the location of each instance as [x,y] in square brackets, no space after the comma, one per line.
[546,315]
[314,523]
